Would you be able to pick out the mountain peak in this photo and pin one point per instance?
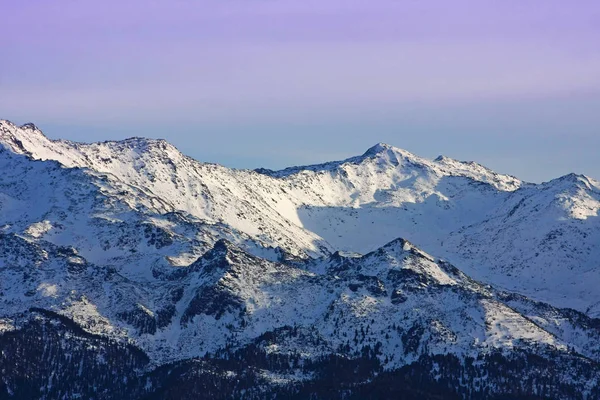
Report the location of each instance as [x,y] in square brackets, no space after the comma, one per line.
[214,258]
[6,122]
[222,245]
[388,151]
[220,249]
[21,139]
[223,255]
[573,181]
[30,126]
[573,177]
[400,243]
[27,127]
[386,156]
[394,248]
[377,149]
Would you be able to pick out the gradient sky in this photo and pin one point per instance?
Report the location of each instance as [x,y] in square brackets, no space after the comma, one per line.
[512,84]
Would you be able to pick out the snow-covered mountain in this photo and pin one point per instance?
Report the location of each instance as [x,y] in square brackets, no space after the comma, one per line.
[540,240]
[137,243]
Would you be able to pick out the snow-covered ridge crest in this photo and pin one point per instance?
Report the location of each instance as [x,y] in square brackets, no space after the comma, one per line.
[30,140]
[268,207]
[384,156]
[493,226]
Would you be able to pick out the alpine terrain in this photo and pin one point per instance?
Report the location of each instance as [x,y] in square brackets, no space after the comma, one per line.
[129,270]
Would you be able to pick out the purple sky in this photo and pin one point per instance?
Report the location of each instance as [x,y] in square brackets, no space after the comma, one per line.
[511,84]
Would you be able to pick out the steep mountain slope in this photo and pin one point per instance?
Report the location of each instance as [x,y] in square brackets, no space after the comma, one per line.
[541,240]
[164,180]
[483,221]
[229,296]
[294,272]
[461,211]
[393,308]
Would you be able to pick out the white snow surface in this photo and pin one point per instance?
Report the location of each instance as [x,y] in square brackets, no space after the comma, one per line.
[132,239]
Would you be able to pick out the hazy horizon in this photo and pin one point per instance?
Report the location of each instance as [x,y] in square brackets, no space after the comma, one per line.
[514,86]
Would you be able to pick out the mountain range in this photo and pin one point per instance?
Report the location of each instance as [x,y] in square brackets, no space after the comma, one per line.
[130,269]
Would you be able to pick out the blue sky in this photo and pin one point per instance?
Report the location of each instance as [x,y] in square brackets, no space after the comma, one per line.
[513,85]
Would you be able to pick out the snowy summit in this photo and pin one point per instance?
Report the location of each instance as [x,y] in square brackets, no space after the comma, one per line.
[385,267]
